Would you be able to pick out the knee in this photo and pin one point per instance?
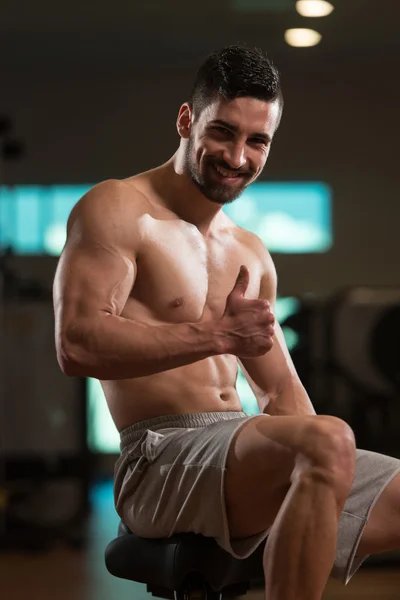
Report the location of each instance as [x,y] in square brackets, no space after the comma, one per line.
[329,445]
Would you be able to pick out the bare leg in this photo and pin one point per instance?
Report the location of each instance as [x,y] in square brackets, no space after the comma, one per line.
[296,477]
[301,546]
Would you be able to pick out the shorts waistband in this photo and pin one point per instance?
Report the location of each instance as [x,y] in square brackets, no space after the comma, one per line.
[135,431]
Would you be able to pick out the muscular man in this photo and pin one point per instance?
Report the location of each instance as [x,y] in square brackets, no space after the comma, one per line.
[159,295]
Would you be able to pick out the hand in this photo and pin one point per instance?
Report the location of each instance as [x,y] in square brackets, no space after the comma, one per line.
[248,324]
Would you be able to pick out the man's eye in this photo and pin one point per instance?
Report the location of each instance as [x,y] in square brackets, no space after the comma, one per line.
[257,141]
[221,129]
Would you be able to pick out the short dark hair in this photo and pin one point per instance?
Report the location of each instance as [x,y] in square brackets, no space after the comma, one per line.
[234,72]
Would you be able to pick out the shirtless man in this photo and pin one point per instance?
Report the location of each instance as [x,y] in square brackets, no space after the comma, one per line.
[159,295]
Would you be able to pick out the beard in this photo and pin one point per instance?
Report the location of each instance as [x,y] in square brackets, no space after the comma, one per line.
[214,191]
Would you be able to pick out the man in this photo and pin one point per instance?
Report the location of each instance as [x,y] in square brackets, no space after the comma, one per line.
[159,295]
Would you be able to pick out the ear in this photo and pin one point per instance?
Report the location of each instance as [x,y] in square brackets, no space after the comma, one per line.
[184,121]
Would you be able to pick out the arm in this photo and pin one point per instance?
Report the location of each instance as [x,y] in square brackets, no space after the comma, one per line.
[273,377]
[94,278]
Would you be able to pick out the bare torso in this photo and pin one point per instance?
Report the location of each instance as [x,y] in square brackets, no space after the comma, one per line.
[182,276]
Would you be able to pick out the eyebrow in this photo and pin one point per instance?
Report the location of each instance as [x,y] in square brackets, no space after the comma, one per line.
[231,127]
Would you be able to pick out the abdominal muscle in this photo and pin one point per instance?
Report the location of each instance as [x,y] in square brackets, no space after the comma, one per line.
[183,277]
[205,386]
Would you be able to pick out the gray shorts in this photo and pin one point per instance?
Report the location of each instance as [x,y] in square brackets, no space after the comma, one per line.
[169,479]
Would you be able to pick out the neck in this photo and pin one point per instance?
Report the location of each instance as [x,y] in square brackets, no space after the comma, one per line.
[181,195]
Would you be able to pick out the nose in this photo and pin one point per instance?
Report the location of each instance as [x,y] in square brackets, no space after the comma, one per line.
[234,155]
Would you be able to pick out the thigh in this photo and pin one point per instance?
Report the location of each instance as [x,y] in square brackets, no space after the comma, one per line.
[260,462]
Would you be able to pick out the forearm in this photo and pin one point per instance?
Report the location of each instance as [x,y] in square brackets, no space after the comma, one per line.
[112,347]
[291,400]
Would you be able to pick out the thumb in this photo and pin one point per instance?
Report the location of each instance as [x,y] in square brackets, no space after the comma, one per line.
[242,281]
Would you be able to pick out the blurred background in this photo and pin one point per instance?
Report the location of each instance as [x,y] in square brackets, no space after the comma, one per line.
[91,91]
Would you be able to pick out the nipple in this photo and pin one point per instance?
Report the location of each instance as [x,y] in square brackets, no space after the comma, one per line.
[177,302]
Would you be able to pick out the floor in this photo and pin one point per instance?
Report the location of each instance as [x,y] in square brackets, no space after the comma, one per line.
[64,574]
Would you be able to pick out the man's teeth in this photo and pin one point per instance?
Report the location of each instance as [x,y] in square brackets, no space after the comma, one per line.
[225,172]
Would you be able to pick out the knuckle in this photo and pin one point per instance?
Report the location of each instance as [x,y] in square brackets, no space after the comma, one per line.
[267,345]
[264,304]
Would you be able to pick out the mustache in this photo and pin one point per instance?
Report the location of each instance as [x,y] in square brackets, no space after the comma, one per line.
[224,165]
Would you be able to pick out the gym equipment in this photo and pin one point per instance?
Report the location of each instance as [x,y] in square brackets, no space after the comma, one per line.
[186,566]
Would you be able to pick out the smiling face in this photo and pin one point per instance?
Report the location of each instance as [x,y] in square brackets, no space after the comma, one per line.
[227,145]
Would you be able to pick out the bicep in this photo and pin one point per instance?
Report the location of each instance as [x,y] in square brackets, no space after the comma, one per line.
[269,371]
[91,280]
[96,272]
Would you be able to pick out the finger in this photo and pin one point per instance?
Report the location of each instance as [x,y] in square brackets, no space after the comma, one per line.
[242,280]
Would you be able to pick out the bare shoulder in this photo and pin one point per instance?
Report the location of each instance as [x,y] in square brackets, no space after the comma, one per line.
[255,243]
[111,199]
[262,252]
[109,210]
[268,282]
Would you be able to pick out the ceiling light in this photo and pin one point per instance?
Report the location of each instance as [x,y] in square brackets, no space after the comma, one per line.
[302,38]
[314,8]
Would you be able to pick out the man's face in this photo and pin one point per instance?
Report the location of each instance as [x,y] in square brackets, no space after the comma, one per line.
[228,146]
